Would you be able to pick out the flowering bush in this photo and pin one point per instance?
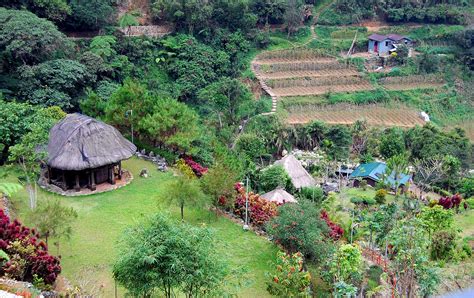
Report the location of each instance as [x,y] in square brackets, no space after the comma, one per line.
[289,279]
[28,256]
[450,202]
[260,210]
[196,167]
[185,169]
[335,231]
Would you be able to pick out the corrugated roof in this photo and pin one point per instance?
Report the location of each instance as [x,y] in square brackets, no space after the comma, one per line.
[375,171]
[392,36]
[378,37]
[279,196]
[299,176]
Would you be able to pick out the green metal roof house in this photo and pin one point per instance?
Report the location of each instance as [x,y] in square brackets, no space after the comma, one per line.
[373,172]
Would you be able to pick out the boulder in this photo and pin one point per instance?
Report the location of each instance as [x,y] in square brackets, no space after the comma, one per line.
[144,173]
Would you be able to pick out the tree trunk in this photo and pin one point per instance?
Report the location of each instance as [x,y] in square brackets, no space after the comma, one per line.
[182,212]
[3,158]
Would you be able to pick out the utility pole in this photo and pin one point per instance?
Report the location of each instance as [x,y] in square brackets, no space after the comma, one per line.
[246,225]
[131,122]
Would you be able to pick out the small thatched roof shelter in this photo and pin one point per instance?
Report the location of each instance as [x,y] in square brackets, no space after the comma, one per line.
[299,176]
[87,150]
[279,196]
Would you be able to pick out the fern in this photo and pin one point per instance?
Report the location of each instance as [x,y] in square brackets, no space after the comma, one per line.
[7,189]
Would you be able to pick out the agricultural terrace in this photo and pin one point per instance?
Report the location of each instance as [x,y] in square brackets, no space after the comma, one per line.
[302,72]
[88,256]
[375,114]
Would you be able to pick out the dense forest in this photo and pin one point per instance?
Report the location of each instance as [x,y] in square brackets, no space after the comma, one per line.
[193,98]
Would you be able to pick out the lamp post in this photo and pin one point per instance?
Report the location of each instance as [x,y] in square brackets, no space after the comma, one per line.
[246,224]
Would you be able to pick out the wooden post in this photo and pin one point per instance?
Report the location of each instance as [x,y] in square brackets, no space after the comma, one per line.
[64,181]
[120,170]
[49,175]
[112,175]
[77,187]
[92,177]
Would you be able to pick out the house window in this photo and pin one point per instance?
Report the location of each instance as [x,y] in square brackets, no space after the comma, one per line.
[386,43]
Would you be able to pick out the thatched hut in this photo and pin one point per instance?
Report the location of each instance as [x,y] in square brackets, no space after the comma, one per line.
[299,176]
[279,196]
[85,152]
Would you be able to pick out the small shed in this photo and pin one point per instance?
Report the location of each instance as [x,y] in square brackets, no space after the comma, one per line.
[299,176]
[279,196]
[373,172]
[384,44]
[84,152]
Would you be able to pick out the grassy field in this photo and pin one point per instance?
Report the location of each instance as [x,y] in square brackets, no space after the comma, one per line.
[88,255]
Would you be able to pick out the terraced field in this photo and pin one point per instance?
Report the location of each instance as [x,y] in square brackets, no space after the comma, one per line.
[376,115]
[304,72]
[411,82]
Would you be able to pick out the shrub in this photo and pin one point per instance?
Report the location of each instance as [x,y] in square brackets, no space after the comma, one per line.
[467,187]
[298,227]
[450,202]
[363,185]
[313,194]
[470,202]
[363,201]
[336,231]
[443,245]
[273,177]
[380,196]
[357,200]
[160,256]
[196,167]
[28,256]
[289,279]
[185,169]
[467,248]
[260,210]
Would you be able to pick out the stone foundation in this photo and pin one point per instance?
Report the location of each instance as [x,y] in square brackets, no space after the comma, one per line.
[127,177]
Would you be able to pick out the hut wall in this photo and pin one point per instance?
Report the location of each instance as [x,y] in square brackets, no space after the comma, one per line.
[101,174]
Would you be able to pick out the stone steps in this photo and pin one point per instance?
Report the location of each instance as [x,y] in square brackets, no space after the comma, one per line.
[268,90]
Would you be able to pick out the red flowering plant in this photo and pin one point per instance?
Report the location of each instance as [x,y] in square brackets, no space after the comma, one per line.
[260,210]
[198,169]
[450,202]
[28,255]
[335,231]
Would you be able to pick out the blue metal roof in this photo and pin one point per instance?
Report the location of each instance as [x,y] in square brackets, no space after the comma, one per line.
[375,171]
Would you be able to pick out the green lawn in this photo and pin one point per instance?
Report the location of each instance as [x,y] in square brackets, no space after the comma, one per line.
[102,217]
[465,221]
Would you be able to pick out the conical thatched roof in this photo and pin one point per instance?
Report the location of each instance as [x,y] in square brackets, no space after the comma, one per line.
[279,196]
[299,176]
[80,142]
